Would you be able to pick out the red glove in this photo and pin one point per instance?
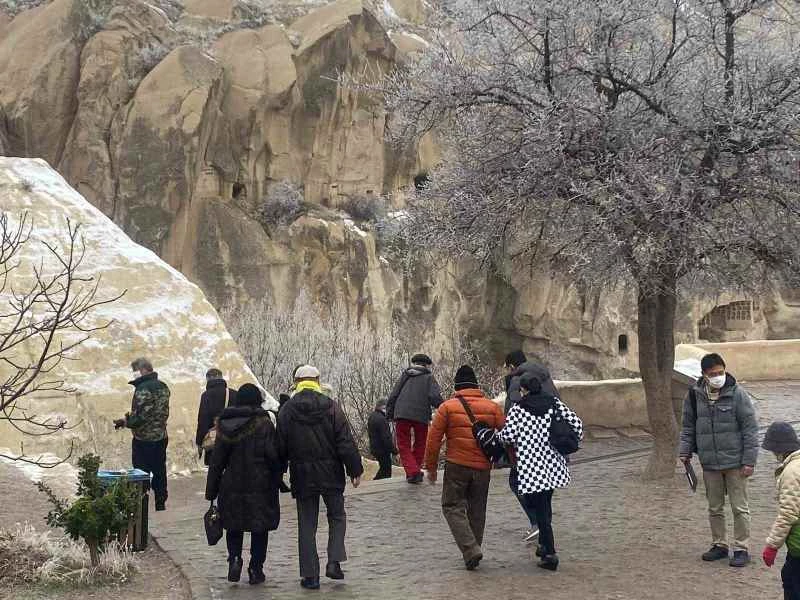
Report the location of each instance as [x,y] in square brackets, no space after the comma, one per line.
[769,555]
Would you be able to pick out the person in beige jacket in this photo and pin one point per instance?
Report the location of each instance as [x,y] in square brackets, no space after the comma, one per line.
[781,439]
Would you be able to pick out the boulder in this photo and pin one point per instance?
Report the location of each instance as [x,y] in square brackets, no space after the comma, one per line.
[161,315]
[39,71]
[113,63]
[158,145]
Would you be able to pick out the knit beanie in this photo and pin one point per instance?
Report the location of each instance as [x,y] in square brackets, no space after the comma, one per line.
[781,438]
[465,378]
[249,395]
[531,383]
[421,359]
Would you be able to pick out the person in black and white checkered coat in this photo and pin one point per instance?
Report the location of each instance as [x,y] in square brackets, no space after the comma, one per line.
[540,467]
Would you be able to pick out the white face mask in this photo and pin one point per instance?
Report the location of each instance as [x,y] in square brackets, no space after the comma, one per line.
[717,381]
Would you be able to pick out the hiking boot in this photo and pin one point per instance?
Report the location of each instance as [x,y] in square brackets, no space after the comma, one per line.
[234,569]
[531,535]
[256,575]
[715,553]
[161,505]
[334,571]
[472,563]
[539,551]
[415,479]
[549,562]
[740,558]
[310,583]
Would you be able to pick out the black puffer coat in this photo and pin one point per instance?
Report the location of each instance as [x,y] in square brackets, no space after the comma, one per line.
[245,471]
[314,436]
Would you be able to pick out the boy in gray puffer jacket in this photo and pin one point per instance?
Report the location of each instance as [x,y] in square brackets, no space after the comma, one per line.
[720,426]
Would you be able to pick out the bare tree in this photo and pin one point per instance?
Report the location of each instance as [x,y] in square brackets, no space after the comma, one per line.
[360,364]
[652,144]
[45,315]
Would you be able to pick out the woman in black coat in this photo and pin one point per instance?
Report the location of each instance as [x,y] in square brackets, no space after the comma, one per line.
[244,477]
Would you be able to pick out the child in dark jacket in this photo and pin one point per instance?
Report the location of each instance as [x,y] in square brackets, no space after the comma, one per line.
[381,442]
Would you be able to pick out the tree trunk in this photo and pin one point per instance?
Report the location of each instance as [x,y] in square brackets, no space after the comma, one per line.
[94,553]
[656,331]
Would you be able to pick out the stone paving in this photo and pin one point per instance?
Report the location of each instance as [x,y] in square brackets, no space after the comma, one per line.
[618,537]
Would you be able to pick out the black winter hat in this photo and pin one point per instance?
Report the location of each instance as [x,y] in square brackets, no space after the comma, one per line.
[421,359]
[781,438]
[531,383]
[516,358]
[249,395]
[465,378]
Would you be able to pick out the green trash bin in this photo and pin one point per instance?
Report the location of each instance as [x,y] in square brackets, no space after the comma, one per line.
[135,538]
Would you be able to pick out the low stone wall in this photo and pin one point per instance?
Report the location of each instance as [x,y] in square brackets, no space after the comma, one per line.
[612,403]
[762,360]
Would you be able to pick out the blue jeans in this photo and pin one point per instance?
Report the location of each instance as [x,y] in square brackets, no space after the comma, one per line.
[513,483]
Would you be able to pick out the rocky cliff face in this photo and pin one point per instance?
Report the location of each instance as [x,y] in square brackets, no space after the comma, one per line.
[178,118]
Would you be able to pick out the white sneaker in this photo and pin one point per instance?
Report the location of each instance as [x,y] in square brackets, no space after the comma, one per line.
[531,535]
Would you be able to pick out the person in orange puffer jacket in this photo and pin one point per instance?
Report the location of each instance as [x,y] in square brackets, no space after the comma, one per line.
[468,472]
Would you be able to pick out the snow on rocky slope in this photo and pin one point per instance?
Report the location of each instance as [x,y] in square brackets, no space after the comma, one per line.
[162,316]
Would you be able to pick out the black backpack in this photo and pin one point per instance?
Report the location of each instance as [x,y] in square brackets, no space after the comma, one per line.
[562,437]
[487,437]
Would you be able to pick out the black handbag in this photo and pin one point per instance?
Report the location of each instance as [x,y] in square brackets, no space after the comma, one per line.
[487,437]
[213,523]
[562,437]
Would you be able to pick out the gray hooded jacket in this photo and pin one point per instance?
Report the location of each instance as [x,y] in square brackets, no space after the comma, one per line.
[414,395]
[723,434]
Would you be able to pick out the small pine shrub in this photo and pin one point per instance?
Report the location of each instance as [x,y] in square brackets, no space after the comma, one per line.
[98,513]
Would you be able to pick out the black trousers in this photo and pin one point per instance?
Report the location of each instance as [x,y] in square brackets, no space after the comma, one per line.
[307,522]
[258,546]
[152,458]
[790,574]
[385,462]
[541,504]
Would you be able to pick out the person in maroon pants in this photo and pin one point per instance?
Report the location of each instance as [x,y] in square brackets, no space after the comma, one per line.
[410,404]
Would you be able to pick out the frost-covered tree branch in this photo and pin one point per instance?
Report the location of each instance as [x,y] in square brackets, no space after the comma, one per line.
[45,315]
[653,143]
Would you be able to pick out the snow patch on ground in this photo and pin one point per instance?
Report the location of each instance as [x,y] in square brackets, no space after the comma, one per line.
[63,478]
[350,224]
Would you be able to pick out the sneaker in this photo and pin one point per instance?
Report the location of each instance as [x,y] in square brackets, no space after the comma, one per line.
[334,571]
[531,535]
[234,569]
[539,552]
[740,558]
[416,479]
[715,553]
[549,562]
[256,575]
[161,506]
[473,562]
[310,583]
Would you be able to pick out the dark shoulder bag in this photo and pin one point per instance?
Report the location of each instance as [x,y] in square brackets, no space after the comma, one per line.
[562,436]
[487,438]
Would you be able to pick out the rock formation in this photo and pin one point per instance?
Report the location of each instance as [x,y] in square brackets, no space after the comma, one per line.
[177,119]
[161,315]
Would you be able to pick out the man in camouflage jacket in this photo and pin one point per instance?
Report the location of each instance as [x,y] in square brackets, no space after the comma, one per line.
[147,420]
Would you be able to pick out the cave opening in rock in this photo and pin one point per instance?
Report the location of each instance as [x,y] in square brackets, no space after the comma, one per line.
[239,190]
[622,344]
